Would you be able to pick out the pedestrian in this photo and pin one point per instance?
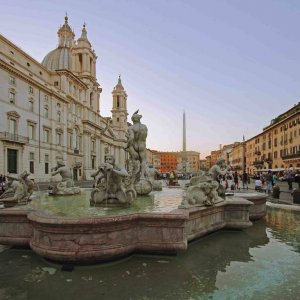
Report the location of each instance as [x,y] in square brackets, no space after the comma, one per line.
[290,180]
[297,179]
[245,180]
[275,179]
[236,180]
[258,184]
[269,179]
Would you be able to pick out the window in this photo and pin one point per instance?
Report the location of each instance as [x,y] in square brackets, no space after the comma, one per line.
[93,162]
[46,136]
[31,131]
[46,168]
[70,140]
[58,138]
[118,120]
[93,146]
[31,105]
[46,163]
[31,162]
[30,89]
[58,116]
[55,83]
[118,101]
[46,112]
[77,139]
[46,97]
[12,161]
[275,142]
[91,100]
[12,80]
[12,126]
[12,97]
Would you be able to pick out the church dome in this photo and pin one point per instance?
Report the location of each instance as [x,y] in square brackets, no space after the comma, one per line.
[58,59]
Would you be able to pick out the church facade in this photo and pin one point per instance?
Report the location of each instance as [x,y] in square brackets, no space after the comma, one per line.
[51,110]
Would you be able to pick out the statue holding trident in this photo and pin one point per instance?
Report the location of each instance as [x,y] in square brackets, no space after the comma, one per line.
[136,147]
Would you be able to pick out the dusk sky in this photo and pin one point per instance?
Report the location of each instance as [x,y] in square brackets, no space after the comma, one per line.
[232,66]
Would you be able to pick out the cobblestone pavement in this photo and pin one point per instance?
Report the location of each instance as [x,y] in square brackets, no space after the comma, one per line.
[285,194]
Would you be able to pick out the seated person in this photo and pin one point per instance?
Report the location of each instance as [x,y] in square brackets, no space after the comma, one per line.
[258,185]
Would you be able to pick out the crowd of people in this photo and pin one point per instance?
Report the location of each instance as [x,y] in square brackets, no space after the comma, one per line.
[234,181]
[263,181]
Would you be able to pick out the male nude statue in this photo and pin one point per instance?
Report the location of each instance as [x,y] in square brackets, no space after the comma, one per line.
[65,174]
[109,184]
[136,142]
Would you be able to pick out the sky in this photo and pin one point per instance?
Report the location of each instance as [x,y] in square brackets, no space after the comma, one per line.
[231,65]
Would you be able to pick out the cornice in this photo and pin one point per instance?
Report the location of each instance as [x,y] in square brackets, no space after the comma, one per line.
[70,74]
[20,74]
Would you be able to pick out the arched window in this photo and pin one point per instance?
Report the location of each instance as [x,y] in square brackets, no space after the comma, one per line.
[91,100]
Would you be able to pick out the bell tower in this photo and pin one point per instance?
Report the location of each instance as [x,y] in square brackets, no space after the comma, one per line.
[119,109]
[84,66]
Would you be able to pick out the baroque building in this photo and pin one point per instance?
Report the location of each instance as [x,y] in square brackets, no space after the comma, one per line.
[51,110]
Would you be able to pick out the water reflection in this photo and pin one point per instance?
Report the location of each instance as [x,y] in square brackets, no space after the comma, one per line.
[257,263]
[285,226]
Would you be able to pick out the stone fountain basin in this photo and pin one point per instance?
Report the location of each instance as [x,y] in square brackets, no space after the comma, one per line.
[101,238]
[259,209]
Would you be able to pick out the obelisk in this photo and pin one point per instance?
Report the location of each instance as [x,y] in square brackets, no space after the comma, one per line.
[184,134]
[184,158]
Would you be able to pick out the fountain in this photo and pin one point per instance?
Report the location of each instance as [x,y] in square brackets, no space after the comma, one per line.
[136,147]
[19,190]
[66,185]
[109,187]
[75,229]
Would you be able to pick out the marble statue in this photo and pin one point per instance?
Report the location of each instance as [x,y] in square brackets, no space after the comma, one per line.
[66,185]
[109,188]
[202,191]
[219,169]
[151,172]
[136,147]
[19,190]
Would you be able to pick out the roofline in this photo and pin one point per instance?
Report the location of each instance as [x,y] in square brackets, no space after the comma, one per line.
[23,52]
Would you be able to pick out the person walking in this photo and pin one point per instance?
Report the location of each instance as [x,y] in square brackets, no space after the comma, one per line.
[245,180]
[269,179]
[275,179]
[290,180]
[236,180]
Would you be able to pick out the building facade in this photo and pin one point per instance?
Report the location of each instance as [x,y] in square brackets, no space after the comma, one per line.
[278,145]
[172,161]
[51,110]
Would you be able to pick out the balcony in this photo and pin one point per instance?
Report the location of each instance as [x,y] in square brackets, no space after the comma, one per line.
[291,156]
[15,138]
[258,164]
